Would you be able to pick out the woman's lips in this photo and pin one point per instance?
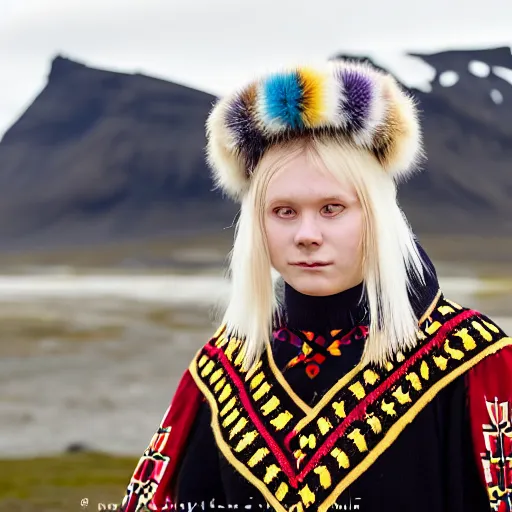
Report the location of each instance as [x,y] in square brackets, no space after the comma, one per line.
[314,264]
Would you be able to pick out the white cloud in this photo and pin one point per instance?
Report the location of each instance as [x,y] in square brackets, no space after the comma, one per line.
[218,44]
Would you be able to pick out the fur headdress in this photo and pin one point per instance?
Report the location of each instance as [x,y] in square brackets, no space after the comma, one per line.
[341,100]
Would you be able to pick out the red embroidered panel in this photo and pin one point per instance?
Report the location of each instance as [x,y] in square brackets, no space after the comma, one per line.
[150,486]
[490,401]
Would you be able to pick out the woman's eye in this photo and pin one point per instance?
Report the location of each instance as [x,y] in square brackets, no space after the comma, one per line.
[333,209]
[284,212]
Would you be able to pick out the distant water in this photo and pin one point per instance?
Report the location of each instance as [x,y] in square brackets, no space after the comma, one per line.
[109,391]
[161,288]
[166,287]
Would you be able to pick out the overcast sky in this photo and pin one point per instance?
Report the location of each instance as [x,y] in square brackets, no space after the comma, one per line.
[215,45]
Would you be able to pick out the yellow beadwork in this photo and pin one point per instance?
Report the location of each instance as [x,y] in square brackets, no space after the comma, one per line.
[239,358]
[270,406]
[256,380]
[374,422]
[358,390]
[339,409]
[453,352]
[310,441]
[441,362]
[414,380]
[359,440]
[370,377]
[324,425]
[282,491]
[433,327]
[222,340]
[341,457]
[272,472]
[424,370]
[232,417]
[308,497]
[282,420]
[216,375]
[207,369]
[403,398]
[228,406]
[250,374]
[219,331]
[324,476]
[263,389]
[258,456]
[246,440]
[220,385]
[226,392]
[454,304]
[299,454]
[486,335]
[444,310]
[388,408]
[232,346]
[240,424]
[492,327]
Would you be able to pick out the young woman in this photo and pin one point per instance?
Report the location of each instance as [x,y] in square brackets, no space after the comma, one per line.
[341,376]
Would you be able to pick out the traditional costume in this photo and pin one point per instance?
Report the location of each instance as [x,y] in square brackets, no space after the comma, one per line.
[310,427]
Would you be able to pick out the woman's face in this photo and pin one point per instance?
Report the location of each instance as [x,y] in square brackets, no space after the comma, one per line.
[314,229]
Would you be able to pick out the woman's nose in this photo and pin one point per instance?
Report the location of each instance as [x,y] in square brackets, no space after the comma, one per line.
[308,233]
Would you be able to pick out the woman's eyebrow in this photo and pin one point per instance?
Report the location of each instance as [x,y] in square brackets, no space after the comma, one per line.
[334,198]
[291,199]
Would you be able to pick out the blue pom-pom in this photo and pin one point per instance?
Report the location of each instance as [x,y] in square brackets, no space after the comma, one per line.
[283,100]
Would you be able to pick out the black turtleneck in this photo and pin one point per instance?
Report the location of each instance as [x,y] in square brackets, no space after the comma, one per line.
[319,314]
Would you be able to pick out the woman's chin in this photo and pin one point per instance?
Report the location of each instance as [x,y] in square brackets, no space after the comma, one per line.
[314,285]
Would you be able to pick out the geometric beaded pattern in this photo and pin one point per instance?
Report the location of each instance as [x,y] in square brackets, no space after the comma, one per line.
[303,458]
[315,349]
[497,458]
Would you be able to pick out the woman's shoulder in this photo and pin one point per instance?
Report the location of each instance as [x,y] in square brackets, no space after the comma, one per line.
[495,363]
[468,332]
[458,340]
[445,317]
[219,350]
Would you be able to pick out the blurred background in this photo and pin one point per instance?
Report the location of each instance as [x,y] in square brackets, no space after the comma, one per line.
[112,242]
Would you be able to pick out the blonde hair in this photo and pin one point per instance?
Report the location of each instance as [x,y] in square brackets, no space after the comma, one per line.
[390,256]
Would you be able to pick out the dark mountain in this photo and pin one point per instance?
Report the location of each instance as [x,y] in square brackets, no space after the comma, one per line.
[102,156]
[467,185]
